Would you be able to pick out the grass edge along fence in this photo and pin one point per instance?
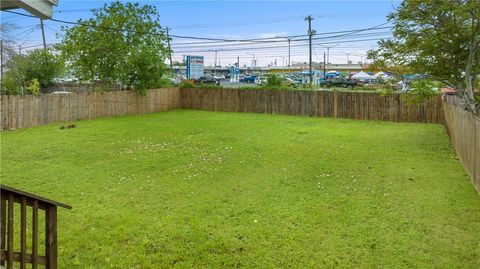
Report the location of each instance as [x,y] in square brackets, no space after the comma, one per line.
[351,105]
[463,128]
[28,111]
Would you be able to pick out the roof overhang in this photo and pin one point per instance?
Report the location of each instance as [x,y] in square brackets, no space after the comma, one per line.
[39,8]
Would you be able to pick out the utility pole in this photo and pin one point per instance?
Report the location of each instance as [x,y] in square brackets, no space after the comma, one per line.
[328,54]
[289,55]
[169,50]
[238,61]
[43,35]
[215,67]
[324,67]
[348,63]
[310,34]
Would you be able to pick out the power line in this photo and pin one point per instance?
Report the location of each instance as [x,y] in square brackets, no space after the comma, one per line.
[123,30]
[294,45]
[267,39]
[299,42]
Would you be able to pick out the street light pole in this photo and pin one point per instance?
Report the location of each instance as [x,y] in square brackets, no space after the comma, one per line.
[289,55]
[253,59]
[348,63]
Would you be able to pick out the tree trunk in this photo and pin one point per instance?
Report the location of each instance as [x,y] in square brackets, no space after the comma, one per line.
[468,95]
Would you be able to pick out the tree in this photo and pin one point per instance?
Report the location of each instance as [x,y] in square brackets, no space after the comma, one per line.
[122,42]
[439,39]
[37,66]
[43,65]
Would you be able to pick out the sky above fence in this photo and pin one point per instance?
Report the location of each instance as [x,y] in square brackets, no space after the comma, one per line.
[238,19]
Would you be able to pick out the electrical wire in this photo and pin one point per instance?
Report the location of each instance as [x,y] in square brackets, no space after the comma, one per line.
[200,38]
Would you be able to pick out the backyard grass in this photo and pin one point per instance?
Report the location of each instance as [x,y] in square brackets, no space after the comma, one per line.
[218,190]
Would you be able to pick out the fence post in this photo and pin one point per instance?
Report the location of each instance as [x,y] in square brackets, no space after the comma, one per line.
[475,176]
[51,236]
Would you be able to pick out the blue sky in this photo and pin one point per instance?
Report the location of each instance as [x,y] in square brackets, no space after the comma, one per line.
[239,19]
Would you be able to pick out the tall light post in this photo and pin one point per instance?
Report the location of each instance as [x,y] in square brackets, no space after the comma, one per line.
[253,59]
[289,55]
[328,52]
[215,64]
[348,63]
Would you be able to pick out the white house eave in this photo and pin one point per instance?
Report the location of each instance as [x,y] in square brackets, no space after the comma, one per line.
[39,8]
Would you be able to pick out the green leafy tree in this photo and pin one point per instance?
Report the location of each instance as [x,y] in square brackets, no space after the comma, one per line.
[437,38]
[121,43]
[43,65]
[23,69]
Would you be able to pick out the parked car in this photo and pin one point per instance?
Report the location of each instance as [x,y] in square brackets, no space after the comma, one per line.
[206,80]
[248,79]
[219,77]
[339,82]
[261,81]
[290,82]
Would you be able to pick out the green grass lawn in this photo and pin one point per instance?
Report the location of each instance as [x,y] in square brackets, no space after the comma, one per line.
[217,190]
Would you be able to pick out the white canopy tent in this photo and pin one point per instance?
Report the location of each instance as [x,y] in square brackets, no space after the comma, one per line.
[382,75]
[362,76]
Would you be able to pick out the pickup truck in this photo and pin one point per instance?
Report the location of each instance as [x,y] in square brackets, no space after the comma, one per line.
[206,80]
[339,82]
[248,79]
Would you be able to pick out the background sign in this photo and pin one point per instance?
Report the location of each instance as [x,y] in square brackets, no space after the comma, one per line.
[195,67]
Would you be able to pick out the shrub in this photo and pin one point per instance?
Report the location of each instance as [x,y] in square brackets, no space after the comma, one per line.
[10,86]
[273,80]
[33,87]
[386,92]
[421,90]
[186,84]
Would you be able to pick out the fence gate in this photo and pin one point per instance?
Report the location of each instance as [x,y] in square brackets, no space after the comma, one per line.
[9,237]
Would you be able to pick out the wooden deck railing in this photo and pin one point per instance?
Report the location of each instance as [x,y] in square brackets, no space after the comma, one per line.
[10,196]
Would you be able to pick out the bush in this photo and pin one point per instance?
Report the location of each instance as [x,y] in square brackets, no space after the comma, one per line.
[37,67]
[422,90]
[386,92]
[33,87]
[273,81]
[10,86]
[186,84]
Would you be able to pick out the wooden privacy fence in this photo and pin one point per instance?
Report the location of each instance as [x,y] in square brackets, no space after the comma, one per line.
[464,130]
[9,238]
[29,111]
[352,105]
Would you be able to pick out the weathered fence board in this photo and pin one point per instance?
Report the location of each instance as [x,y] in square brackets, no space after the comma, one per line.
[463,128]
[352,105]
[29,111]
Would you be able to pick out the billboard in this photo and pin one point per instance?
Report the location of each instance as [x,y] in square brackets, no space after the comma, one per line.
[195,67]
